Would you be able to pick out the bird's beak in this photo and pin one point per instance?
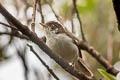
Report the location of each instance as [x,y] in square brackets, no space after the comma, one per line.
[44,25]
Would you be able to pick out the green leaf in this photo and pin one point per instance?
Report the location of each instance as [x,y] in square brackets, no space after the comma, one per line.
[106,75]
[89,6]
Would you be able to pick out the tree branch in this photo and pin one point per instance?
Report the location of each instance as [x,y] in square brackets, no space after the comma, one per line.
[8,25]
[22,56]
[41,13]
[33,37]
[47,67]
[16,35]
[33,15]
[83,45]
[57,17]
[94,53]
[72,23]
[80,22]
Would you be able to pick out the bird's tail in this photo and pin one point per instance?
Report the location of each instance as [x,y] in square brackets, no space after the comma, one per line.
[82,68]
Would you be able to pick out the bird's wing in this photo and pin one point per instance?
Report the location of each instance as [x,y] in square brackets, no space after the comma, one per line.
[80,65]
[80,54]
[74,40]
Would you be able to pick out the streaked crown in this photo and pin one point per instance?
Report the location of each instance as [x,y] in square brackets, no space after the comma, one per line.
[55,26]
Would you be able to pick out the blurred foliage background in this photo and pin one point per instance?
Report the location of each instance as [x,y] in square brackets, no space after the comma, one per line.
[98,21]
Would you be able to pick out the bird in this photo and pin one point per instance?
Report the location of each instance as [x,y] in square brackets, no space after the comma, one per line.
[64,46]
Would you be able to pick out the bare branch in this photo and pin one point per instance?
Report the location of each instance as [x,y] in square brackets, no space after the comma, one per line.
[16,35]
[22,56]
[94,53]
[41,13]
[83,45]
[71,18]
[33,37]
[33,15]
[47,67]
[58,18]
[8,25]
[80,22]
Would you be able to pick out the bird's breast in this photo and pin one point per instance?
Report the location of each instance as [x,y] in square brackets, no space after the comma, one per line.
[63,46]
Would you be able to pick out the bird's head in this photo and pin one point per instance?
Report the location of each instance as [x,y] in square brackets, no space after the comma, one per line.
[53,26]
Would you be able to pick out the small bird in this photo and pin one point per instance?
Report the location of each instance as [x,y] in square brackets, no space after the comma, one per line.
[63,45]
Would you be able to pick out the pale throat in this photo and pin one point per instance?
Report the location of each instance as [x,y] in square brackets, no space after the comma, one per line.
[49,34]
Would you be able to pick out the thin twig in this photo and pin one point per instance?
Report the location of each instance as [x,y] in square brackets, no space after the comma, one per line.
[14,31]
[21,54]
[8,25]
[16,35]
[33,15]
[80,22]
[41,13]
[34,38]
[116,5]
[94,53]
[47,67]
[57,17]
[72,23]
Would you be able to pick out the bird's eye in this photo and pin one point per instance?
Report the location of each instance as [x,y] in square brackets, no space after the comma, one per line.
[56,29]
[52,25]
